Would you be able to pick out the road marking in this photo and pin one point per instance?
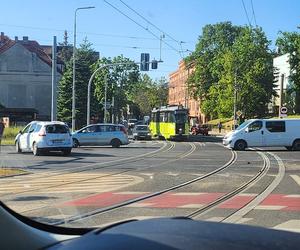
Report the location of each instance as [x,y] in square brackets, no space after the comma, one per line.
[269,207]
[290,225]
[187,193]
[215,219]
[80,182]
[191,206]
[141,205]
[292,196]
[296,178]
[261,197]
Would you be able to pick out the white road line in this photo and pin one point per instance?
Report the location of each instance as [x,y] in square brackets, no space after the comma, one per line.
[191,206]
[290,225]
[269,207]
[215,219]
[296,178]
[258,199]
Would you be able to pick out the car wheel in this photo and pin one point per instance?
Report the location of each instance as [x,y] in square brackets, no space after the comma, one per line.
[18,149]
[240,145]
[36,151]
[296,145]
[115,143]
[67,152]
[75,143]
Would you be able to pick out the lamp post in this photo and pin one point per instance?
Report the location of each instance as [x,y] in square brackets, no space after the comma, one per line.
[74,65]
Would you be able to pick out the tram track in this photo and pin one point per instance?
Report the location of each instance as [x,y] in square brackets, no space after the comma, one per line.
[94,166]
[95,212]
[125,170]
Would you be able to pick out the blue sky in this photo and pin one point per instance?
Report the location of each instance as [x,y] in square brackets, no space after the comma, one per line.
[113,34]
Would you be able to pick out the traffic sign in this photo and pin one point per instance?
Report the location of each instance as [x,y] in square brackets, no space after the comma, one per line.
[239,113]
[283,110]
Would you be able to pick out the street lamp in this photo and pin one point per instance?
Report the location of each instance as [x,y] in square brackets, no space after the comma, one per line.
[74,64]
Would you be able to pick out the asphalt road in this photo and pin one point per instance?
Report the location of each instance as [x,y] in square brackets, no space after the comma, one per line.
[96,186]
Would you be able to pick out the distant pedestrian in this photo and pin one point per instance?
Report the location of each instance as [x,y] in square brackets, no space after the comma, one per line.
[2,127]
[220,127]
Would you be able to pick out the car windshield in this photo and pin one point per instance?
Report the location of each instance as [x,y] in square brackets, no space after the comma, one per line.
[142,128]
[122,110]
[243,125]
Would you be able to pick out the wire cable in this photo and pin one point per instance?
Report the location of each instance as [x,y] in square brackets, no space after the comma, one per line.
[143,27]
[246,13]
[149,22]
[253,13]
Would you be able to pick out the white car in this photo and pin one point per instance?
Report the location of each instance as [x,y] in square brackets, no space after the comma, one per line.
[101,135]
[39,137]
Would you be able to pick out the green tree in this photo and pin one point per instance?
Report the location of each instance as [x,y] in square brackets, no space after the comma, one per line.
[226,53]
[85,57]
[289,42]
[150,94]
[121,79]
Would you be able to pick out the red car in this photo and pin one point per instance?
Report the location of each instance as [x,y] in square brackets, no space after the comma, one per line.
[199,129]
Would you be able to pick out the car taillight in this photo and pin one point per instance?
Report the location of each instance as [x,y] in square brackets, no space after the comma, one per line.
[42,132]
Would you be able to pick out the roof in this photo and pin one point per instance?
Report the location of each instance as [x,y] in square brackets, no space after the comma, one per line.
[33,46]
[169,108]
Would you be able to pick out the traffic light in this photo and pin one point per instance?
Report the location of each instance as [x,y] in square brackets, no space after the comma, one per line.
[145,58]
[154,64]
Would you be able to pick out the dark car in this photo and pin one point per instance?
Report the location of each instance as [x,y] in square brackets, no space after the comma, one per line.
[141,132]
[200,129]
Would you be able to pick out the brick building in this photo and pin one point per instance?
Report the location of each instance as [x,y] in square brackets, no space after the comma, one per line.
[178,92]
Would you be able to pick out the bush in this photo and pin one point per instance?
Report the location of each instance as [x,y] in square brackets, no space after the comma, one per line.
[11,132]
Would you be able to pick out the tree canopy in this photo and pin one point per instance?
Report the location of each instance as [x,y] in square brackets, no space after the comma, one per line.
[226,54]
[289,42]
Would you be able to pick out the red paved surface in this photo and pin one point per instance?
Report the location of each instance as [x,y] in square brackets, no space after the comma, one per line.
[177,200]
[102,200]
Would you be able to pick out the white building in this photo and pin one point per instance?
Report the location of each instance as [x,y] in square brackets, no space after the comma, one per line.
[282,66]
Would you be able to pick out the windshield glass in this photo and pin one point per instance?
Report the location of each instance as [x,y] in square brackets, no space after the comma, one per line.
[118,110]
[142,128]
[243,125]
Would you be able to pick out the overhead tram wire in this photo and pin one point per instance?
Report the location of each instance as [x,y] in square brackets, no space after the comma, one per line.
[246,13]
[149,22]
[143,27]
[84,33]
[253,13]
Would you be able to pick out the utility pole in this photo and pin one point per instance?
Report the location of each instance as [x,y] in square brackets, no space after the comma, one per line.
[74,68]
[54,95]
[281,94]
[234,102]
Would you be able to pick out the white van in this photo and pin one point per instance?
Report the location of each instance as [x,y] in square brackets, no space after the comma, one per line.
[265,133]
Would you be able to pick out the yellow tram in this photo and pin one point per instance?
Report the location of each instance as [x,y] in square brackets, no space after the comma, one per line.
[170,122]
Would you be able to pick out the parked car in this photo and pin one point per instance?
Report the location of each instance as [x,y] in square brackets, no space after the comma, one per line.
[200,129]
[132,122]
[101,135]
[39,137]
[141,132]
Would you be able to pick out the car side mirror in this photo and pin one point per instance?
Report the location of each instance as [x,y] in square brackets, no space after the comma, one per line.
[31,130]
[247,130]
[20,132]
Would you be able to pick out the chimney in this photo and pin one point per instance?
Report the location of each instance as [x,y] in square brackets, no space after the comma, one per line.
[16,38]
[25,38]
[2,36]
